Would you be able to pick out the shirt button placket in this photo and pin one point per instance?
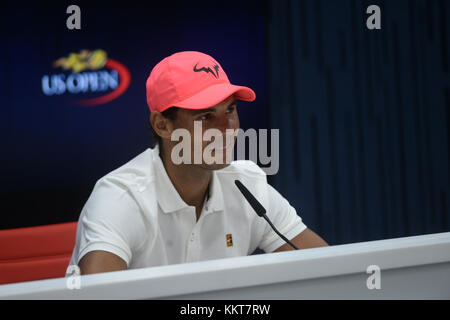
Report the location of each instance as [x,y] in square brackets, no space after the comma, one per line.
[191,247]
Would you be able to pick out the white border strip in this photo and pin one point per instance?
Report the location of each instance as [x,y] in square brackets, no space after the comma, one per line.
[181,279]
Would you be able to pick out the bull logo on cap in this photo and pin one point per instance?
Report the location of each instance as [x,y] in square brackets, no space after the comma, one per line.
[214,72]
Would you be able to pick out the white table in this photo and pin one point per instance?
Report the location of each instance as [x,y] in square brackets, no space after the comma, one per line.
[410,268]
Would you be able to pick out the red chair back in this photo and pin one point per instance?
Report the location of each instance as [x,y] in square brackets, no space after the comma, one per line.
[36,253]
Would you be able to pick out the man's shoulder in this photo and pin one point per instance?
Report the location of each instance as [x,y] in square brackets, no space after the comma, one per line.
[134,172]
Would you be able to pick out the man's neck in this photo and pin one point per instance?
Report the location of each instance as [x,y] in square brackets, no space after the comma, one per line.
[190,181]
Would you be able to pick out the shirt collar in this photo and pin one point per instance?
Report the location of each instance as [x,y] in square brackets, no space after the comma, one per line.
[168,197]
[216,196]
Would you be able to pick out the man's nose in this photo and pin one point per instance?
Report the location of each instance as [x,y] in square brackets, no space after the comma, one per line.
[225,123]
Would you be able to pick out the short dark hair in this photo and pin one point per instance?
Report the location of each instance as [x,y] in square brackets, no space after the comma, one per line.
[171,114]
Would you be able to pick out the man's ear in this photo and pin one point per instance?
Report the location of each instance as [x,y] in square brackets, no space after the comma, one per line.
[162,125]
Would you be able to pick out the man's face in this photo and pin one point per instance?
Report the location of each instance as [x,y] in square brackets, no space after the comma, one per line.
[222,116]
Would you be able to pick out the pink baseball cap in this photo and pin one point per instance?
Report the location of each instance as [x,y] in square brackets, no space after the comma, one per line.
[191,80]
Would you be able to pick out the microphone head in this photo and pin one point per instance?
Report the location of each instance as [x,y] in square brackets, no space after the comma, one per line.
[256,205]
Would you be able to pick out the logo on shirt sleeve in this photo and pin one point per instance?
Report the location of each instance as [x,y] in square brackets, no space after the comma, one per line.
[229,238]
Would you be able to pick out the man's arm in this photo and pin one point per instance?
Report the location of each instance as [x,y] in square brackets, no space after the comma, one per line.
[101,261]
[305,240]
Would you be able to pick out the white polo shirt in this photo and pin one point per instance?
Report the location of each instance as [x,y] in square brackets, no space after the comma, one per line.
[136,213]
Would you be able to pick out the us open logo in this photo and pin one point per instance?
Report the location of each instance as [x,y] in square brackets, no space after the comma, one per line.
[90,74]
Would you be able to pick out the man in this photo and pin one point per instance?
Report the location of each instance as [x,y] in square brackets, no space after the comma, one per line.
[156,211]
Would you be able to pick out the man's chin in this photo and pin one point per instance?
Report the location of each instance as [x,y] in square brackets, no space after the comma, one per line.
[215,166]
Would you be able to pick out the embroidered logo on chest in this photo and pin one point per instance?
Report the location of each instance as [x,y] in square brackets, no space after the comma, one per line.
[229,238]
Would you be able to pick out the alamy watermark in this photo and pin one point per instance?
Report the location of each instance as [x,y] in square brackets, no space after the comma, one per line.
[221,147]
[373,281]
[73,280]
[374,20]
[74,20]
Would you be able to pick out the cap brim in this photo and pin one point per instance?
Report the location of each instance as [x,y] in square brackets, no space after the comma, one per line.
[215,94]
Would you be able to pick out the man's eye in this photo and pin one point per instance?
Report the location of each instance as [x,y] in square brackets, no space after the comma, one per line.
[204,117]
[231,109]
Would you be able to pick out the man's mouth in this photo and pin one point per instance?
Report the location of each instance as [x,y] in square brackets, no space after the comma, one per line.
[229,144]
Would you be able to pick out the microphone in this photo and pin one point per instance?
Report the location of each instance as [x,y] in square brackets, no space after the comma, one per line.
[259,209]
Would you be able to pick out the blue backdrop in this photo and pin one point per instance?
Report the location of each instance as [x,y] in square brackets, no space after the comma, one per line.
[363,114]
[54,151]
